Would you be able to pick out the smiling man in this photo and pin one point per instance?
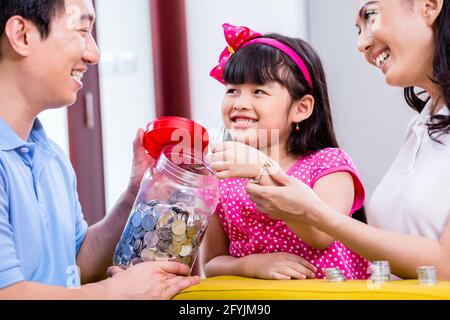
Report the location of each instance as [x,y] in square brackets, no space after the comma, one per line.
[46,248]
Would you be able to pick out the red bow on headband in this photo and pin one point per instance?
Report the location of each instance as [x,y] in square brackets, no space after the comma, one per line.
[235,37]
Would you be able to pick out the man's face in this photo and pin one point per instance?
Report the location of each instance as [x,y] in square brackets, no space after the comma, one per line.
[57,64]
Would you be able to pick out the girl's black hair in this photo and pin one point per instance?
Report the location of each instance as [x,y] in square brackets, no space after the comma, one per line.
[260,64]
[438,124]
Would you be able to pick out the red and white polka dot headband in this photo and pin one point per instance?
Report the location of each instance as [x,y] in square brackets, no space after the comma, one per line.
[239,37]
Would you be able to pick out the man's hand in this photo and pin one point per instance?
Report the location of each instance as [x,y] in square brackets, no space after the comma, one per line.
[150,280]
[282,266]
[141,162]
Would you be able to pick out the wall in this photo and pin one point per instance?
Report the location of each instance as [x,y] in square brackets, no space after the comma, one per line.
[370,117]
[126,85]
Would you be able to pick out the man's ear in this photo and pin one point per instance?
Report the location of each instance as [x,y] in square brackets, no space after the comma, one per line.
[303,108]
[19,33]
[431,9]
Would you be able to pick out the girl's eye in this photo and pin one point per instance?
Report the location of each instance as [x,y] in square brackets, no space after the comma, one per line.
[259,92]
[231,91]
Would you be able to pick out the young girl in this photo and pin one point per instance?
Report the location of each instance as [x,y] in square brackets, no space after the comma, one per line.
[277,101]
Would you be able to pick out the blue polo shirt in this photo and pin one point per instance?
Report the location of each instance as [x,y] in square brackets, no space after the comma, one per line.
[41,223]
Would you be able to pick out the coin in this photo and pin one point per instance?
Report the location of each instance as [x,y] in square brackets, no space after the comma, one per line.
[153,203]
[166,219]
[161,256]
[137,245]
[127,253]
[165,233]
[186,250]
[151,239]
[148,222]
[176,248]
[178,227]
[179,239]
[186,260]
[148,255]
[164,246]
[194,228]
[136,220]
[139,235]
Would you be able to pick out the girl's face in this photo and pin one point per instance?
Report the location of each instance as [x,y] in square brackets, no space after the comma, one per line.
[258,115]
[394,36]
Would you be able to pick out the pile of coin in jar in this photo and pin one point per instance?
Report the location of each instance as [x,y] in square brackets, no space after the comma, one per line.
[161,232]
[334,274]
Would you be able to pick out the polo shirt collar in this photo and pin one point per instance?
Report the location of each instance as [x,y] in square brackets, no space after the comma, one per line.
[9,140]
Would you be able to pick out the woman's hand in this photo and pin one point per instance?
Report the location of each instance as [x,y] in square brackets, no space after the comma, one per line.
[237,160]
[290,200]
[281,266]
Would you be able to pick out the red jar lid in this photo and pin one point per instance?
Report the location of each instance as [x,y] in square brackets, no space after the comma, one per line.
[167,131]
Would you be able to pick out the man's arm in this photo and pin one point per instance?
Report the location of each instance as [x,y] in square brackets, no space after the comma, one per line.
[96,252]
[150,280]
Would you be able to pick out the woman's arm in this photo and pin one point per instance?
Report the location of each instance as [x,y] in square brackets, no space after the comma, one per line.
[337,191]
[295,200]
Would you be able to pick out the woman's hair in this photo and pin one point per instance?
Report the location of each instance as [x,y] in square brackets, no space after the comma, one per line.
[439,124]
[260,64]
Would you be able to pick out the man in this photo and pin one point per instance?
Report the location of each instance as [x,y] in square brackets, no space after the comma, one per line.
[45,47]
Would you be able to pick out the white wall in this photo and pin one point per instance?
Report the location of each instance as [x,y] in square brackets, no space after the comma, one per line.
[206,42]
[56,127]
[370,117]
[126,85]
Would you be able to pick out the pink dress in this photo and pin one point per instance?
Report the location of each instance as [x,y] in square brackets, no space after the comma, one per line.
[251,232]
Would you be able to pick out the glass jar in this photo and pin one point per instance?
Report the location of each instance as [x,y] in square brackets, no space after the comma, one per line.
[170,215]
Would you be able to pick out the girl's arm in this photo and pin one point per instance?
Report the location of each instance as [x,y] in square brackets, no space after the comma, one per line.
[279,266]
[295,200]
[337,191]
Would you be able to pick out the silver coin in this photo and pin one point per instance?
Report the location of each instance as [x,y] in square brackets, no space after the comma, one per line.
[148,222]
[137,245]
[136,220]
[165,233]
[151,239]
[164,246]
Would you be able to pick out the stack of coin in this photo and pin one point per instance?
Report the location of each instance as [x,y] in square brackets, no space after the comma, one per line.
[380,271]
[157,231]
[334,274]
[427,275]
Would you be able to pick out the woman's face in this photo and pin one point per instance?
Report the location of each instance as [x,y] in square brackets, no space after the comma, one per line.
[395,37]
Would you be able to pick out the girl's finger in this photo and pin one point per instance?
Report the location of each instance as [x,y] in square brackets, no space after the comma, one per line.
[299,268]
[302,261]
[279,276]
[177,284]
[220,165]
[293,272]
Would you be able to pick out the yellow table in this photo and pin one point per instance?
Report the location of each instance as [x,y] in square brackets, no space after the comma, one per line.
[237,288]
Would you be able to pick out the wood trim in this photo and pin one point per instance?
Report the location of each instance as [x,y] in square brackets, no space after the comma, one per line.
[170,58]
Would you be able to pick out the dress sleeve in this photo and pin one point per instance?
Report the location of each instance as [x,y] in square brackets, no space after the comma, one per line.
[330,161]
[10,270]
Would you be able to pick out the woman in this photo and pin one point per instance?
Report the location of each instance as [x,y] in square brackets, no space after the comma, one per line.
[409,212]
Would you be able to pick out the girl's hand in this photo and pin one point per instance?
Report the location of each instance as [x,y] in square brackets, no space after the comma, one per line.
[237,160]
[290,200]
[281,266]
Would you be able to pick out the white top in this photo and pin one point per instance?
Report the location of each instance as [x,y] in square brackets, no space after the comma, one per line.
[414,195]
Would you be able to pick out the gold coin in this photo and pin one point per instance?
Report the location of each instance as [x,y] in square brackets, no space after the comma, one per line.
[186,250]
[166,219]
[179,239]
[176,248]
[194,228]
[178,227]
[186,260]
